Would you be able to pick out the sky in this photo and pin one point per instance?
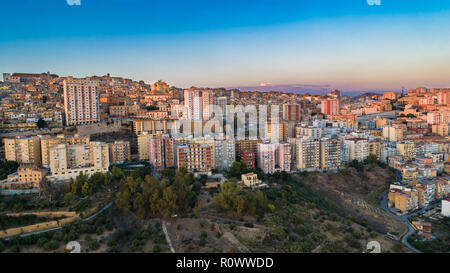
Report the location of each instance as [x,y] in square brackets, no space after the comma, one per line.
[345,44]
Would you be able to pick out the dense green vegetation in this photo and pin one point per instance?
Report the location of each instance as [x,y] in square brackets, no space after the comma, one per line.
[437,245]
[125,240]
[232,199]
[300,219]
[441,244]
[151,197]
[6,168]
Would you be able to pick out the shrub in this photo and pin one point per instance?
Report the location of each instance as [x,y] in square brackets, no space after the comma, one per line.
[94,245]
[52,245]
[156,248]
[203,237]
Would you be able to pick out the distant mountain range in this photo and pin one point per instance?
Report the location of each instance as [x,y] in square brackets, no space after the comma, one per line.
[304,88]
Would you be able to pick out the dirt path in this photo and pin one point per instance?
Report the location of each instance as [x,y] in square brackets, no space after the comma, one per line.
[235,242]
[169,242]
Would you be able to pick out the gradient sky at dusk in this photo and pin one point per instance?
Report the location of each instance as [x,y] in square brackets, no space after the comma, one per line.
[346,44]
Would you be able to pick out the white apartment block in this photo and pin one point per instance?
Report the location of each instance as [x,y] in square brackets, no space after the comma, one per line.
[225,153]
[358,148]
[193,104]
[445,209]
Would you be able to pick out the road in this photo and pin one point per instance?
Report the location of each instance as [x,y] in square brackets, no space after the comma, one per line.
[404,218]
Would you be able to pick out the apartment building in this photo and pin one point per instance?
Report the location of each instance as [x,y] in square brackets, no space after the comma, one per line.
[358,148]
[119,152]
[81,101]
[427,192]
[68,161]
[375,149]
[404,200]
[440,129]
[123,110]
[31,173]
[310,132]
[267,157]
[143,141]
[308,154]
[207,104]
[406,149]
[284,157]
[248,158]
[193,104]
[246,145]
[195,158]
[153,126]
[330,154]
[292,112]
[392,133]
[49,141]
[225,153]
[330,107]
[23,149]
[161,151]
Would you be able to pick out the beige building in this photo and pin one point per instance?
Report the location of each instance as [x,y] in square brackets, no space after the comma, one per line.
[380,122]
[392,133]
[31,173]
[330,154]
[375,149]
[81,101]
[69,161]
[119,152]
[23,149]
[49,141]
[143,141]
[250,180]
[440,129]
[308,154]
[123,110]
[406,149]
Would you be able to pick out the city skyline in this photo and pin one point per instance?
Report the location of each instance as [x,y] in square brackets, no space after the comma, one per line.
[350,46]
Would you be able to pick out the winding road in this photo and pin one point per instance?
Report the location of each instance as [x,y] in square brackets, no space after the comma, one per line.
[404,219]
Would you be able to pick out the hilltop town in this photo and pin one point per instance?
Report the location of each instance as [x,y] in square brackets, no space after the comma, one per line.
[220,170]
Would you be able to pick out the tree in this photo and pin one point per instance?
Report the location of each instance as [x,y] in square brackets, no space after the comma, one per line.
[41,123]
[7,168]
[261,200]
[139,206]
[226,199]
[372,159]
[86,190]
[240,205]
[237,169]
[168,204]
[123,200]
[168,173]
[68,199]
[117,173]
